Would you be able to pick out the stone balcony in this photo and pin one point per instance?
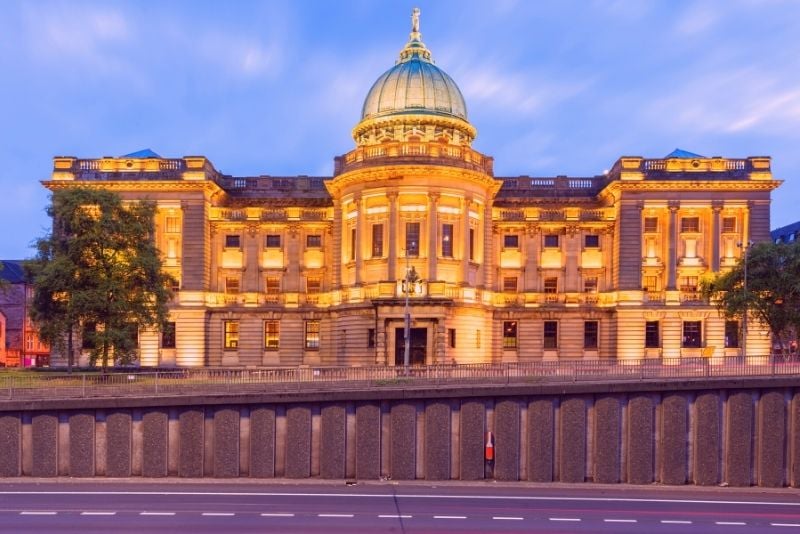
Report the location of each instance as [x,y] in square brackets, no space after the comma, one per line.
[418,153]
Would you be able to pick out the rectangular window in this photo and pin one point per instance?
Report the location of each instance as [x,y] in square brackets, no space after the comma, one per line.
[168,336]
[511,241]
[477,339]
[690,224]
[312,335]
[688,283]
[447,240]
[551,241]
[377,240]
[729,225]
[313,284]
[551,334]
[272,334]
[652,338]
[731,334]
[232,285]
[591,241]
[314,241]
[273,285]
[412,239]
[370,338]
[692,334]
[173,225]
[471,244]
[233,241]
[590,284]
[551,285]
[509,334]
[650,283]
[590,334]
[273,241]
[651,225]
[230,331]
[451,337]
[510,284]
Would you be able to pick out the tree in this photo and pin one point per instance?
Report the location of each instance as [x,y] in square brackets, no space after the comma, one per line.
[771,294]
[98,266]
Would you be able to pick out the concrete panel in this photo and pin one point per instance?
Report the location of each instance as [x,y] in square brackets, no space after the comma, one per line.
[506,435]
[640,440]
[739,439]
[45,445]
[10,445]
[794,445]
[607,439]
[118,444]
[191,442]
[473,428]
[437,441]
[541,433]
[81,444]
[707,439]
[298,442]
[368,441]
[154,443]
[332,441]
[672,449]
[262,442]
[403,441]
[226,442]
[572,440]
[771,439]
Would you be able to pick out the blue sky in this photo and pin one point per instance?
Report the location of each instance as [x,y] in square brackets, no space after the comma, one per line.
[560,87]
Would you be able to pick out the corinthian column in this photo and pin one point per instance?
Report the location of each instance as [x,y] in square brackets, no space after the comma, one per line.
[433,226]
[672,257]
[393,224]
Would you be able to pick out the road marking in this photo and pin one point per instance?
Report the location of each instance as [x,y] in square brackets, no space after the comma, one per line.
[34,512]
[785,524]
[98,513]
[506,518]
[390,516]
[277,515]
[675,522]
[563,519]
[620,520]
[334,515]
[218,514]
[449,517]
[156,513]
[731,523]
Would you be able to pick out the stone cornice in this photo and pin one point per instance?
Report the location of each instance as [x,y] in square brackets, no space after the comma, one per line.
[209,188]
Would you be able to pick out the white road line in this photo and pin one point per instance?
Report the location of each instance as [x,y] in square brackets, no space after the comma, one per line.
[218,514]
[35,512]
[620,520]
[785,524]
[731,523]
[675,522]
[390,516]
[276,515]
[506,518]
[563,519]
[334,515]
[156,513]
[98,513]
[449,517]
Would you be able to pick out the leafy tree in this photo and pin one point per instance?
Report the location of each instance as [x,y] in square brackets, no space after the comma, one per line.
[772,292]
[99,266]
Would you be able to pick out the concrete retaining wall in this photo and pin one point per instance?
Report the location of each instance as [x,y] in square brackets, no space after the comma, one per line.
[742,433]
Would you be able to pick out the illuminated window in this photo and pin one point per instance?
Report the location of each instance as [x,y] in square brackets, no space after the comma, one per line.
[168,336]
[650,283]
[731,334]
[590,284]
[230,331]
[272,332]
[509,334]
[729,225]
[510,284]
[652,338]
[551,334]
[447,240]
[273,241]
[690,224]
[651,225]
[591,241]
[590,334]
[312,335]
[173,225]
[273,285]
[551,284]
[314,241]
[477,339]
[313,284]
[377,240]
[692,334]
[511,241]
[352,244]
[233,241]
[231,285]
[412,239]
[551,241]
[451,338]
[688,283]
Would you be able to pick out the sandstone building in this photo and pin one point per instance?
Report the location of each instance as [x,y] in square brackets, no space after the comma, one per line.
[297,270]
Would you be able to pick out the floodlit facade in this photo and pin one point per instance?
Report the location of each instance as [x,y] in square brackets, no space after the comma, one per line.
[300,270]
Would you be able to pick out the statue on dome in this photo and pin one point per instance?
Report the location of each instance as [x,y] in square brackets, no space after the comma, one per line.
[415,20]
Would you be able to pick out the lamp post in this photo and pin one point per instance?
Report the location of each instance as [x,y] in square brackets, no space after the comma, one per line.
[746,250]
[408,286]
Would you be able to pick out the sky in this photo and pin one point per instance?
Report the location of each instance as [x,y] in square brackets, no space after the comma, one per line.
[555,87]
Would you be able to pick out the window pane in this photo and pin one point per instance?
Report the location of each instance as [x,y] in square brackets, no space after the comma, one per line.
[273,241]
[509,334]
[451,337]
[370,338]
[232,241]
[173,225]
[592,241]
[651,224]
[312,335]
[590,330]
[652,340]
[231,285]
[352,244]
[690,224]
[271,335]
[313,241]
[447,240]
[510,241]
[168,336]
[313,284]
[231,334]
[731,334]
[273,285]
[471,244]
[551,241]
[692,337]
[551,334]
[377,240]
[412,239]
[590,284]
[551,285]
[729,224]
[510,284]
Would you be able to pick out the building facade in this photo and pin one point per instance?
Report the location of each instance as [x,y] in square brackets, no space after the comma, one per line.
[301,270]
[20,345]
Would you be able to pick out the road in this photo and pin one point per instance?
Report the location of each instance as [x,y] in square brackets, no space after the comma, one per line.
[178,506]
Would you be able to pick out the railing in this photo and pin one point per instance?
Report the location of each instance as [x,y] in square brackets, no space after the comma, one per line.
[133,383]
[434,153]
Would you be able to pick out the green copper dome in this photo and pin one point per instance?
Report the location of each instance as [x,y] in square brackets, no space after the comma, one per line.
[414,85]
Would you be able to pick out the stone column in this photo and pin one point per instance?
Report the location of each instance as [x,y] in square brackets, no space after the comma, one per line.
[465,202]
[336,235]
[672,256]
[488,250]
[360,220]
[291,259]
[433,232]
[393,224]
[716,207]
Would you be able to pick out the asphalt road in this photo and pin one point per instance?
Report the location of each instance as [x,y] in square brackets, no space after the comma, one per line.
[179,506]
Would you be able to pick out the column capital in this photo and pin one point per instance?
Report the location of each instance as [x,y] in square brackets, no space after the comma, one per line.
[673,205]
[717,205]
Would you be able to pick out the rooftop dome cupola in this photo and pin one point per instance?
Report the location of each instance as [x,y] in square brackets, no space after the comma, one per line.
[414,99]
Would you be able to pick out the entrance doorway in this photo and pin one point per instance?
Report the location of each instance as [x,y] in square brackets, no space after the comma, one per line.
[419,346]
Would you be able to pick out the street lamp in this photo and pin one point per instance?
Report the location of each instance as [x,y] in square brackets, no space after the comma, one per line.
[746,250]
[409,284]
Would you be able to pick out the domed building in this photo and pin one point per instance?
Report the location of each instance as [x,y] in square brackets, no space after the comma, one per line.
[413,251]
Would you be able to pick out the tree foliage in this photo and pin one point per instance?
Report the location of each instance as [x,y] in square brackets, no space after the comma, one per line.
[98,266]
[772,293]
